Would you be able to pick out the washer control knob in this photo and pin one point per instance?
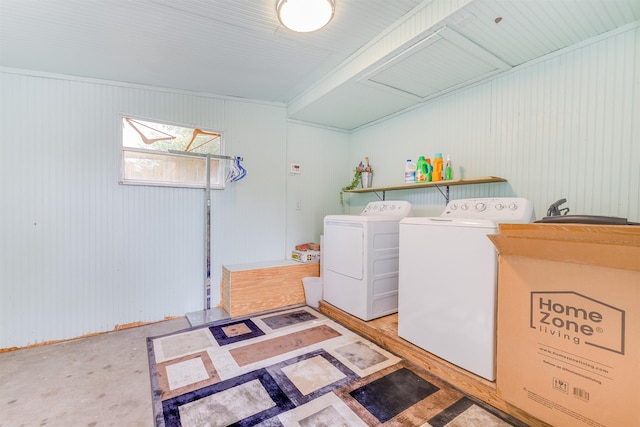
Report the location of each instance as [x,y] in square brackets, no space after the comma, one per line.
[392,207]
[464,207]
[454,207]
[499,206]
[480,207]
[383,208]
[513,206]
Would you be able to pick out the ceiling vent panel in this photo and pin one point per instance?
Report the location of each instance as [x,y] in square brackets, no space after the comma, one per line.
[440,62]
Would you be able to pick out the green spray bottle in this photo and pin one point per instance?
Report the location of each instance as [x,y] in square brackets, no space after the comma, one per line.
[447,168]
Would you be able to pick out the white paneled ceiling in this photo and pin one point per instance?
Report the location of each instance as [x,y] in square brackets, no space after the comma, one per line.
[477,40]
[375,58]
[434,64]
[225,47]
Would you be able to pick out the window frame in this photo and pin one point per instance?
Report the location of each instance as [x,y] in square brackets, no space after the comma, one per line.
[212,162]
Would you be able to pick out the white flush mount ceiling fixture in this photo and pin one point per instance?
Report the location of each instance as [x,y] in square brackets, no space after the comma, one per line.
[305,16]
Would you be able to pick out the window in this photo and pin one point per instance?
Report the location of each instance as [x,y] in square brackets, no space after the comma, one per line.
[164,154]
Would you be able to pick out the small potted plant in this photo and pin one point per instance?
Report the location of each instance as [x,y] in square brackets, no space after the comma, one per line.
[363,176]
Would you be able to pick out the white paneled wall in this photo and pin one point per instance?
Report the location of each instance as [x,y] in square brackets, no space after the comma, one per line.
[80,253]
[248,217]
[564,127]
[315,192]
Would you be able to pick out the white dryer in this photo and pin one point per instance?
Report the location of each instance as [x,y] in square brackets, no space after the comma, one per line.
[360,259]
[448,280]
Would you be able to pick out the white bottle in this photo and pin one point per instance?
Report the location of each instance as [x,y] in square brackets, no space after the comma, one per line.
[410,172]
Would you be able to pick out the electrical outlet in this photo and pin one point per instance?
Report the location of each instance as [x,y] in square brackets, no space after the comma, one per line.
[294,168]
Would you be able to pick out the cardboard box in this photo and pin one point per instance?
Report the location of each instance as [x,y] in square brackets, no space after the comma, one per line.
[310,246]
[568,326]
[305,256]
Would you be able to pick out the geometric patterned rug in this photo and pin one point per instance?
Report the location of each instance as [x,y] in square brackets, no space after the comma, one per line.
[296,367]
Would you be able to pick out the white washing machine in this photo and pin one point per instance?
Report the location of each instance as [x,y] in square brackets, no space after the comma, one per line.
[360,259]
[448,280]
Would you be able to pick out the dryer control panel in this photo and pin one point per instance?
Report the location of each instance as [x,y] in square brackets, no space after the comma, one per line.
[389,208]
[499,209]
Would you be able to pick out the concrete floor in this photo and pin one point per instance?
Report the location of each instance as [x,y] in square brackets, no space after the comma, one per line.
[96,381]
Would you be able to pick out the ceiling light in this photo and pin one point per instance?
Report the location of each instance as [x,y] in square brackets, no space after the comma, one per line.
[304,16]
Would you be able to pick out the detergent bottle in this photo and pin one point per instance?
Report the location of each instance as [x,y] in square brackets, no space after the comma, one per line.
[437,167]
[421,169]
[428,177]
[447,168]
[409,172]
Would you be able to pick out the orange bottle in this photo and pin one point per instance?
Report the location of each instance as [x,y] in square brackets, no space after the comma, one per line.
[437,167]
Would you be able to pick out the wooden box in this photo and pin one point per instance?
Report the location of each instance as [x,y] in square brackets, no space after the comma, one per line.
[256,287]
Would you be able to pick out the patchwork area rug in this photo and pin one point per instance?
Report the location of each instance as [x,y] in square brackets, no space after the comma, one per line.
[297,367]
